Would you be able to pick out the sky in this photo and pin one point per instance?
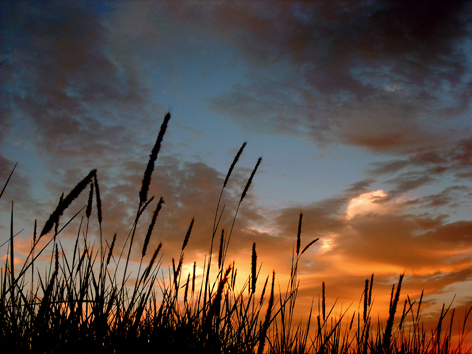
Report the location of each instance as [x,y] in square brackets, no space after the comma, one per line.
[360,110]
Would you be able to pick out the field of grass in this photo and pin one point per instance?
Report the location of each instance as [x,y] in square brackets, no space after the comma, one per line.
[88,300]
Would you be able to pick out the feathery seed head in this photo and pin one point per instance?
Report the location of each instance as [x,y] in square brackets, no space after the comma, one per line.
[236,158]
[249,181]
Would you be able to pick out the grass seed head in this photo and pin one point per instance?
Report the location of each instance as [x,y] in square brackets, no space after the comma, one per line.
[98,199]
[187,235]
[299,232]
[152,159]
[253,268]
[249,181]
[88,211]
[110,251]
[151,226]
[220,250]
[236,158]
[64,203]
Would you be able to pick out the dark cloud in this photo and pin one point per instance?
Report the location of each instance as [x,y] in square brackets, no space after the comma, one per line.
[76,99]
[74,79]
[406,182]
[457,154]
[384,75]
[446,161]
[190,190]
[453,197]
[322,217]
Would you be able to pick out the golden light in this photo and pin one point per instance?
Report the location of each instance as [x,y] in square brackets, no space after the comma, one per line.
[369,202]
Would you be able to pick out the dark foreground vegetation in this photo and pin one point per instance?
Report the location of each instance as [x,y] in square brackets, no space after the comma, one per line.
[86,301]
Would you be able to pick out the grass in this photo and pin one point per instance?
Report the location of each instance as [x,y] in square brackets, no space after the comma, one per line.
[88,300]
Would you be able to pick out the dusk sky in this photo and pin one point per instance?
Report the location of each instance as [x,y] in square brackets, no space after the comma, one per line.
[361,111]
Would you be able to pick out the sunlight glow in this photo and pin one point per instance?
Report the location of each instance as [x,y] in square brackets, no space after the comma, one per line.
[327,243]
[367,203]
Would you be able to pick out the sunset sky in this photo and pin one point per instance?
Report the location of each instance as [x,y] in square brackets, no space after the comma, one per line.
[361,111]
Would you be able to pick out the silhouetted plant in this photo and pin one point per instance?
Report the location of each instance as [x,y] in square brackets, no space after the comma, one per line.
[80,305]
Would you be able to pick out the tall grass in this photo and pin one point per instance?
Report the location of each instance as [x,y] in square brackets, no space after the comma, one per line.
[86,302]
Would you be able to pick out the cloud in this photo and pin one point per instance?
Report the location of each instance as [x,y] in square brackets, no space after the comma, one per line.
[382,75]
[453,197]
[366,203]
[445,166]
[72,98]
[452,156]
[361,231]
[364,231]
[76,89]
[71,101]
[190,190]
[379,230]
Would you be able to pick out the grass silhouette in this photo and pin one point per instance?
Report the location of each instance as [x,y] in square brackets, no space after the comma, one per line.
[84,302]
